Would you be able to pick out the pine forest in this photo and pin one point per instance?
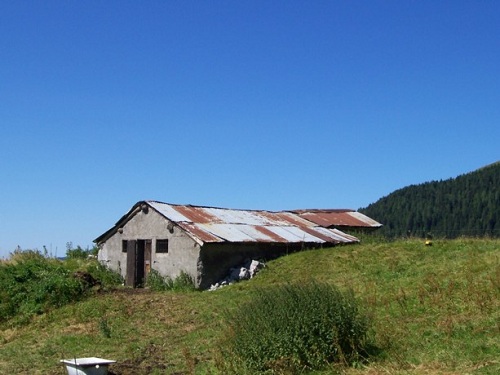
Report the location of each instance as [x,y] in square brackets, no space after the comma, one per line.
[467,205]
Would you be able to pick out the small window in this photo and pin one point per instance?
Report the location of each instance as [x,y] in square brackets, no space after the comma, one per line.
[162,246]
[124,246]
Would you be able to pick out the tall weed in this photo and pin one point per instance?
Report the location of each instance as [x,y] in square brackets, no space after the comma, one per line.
[156,282]
[293,327]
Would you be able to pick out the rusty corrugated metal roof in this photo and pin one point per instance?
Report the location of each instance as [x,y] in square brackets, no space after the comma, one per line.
[338,218]
[212,224]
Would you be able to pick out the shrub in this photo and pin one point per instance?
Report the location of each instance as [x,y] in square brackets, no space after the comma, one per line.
[290,328]
[157,282]
[30,283]
[183,282]
[107,277]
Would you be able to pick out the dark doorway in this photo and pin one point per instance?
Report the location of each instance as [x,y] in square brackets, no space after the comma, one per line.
[138,262]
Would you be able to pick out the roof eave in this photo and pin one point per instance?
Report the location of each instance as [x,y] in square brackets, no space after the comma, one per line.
[120,223]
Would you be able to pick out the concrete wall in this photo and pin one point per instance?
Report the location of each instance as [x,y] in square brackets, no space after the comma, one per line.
[218,258]
[183,251]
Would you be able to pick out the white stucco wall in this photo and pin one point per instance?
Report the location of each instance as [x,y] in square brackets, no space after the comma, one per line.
[183,251]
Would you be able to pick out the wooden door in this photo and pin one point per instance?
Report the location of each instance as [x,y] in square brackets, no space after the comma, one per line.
[147,258]
[130,279]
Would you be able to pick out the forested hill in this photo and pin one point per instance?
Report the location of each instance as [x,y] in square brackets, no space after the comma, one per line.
[467,205]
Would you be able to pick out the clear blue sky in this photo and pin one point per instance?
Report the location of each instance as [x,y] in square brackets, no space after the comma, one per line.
[241,104]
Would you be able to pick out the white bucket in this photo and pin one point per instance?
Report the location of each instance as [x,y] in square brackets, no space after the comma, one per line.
[87,366]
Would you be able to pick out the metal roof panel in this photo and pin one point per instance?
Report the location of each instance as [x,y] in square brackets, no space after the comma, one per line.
[260,233]
[294,234]
[169,211]
[331,218]
[365,219]
[239,216]
[336,235]
[212,224]
[196,214]
[229,232]
[291,218]
[200,233]
[348,237]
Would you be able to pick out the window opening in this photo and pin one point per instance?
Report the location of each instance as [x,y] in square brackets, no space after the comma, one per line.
[162,246]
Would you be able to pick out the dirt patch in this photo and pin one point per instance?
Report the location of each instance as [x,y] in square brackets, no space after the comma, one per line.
[78,329]
[149,359]
[129,291]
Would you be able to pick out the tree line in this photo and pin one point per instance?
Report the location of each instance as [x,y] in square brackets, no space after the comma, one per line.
[467,205]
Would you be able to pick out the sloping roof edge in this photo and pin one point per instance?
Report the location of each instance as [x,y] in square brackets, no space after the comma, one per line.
[122,221]
[190,218]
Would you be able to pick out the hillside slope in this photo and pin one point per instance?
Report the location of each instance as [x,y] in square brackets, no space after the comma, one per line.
[467,205]
[426,319]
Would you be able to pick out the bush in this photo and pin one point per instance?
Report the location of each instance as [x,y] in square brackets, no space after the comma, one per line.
[183,282]
[295,327]
[155,281]
[106,277]
[30,283]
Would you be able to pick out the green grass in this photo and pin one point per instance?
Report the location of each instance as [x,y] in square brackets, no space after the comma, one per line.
[434,310]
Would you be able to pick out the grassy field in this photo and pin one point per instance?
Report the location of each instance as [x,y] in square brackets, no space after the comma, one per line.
[434,310]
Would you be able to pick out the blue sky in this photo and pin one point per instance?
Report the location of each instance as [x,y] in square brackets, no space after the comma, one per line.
[240,104]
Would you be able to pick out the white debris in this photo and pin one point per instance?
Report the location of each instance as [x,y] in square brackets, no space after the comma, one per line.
[244,272]
[255,266]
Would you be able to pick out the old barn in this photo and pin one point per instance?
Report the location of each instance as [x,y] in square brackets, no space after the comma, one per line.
[205,242]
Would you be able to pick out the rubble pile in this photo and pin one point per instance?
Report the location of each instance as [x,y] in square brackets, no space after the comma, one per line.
[243,272]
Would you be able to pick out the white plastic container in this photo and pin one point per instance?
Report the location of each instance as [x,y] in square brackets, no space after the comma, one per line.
[87,366]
